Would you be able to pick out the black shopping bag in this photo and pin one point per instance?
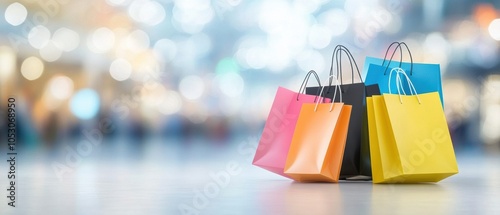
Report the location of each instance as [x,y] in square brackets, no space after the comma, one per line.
[352,94]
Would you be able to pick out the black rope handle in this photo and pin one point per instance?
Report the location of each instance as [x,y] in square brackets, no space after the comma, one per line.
[351,60]
[389,48]
[401,61]
[337,54]
[306,80]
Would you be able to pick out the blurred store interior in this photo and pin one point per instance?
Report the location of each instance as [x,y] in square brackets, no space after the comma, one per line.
[207,70]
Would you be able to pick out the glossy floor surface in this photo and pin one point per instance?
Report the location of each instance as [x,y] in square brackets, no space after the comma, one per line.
[159,178]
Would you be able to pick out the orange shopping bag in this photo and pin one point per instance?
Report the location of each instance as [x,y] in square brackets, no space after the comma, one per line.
[318,142]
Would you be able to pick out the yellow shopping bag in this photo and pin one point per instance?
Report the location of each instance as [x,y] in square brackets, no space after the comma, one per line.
[409,137]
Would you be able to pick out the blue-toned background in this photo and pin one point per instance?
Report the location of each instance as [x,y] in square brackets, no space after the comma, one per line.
[177,88]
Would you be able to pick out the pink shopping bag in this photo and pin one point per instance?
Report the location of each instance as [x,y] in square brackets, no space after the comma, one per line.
[278,131]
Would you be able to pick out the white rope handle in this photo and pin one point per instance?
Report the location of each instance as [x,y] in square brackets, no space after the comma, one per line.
[334,94]
[410,84]
[398,80]
[399,84]
[337,86]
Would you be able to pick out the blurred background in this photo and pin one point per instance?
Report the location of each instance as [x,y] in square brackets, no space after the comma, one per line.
[181,85]
[209,69]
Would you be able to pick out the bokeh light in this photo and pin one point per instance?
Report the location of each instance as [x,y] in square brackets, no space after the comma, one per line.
[311,60]
[61,87]
[231,84]
[85,104]
[319,36]
[39,36]
[171,103]
[120,69]
[192,87]
[147,12]
[66,39]
[7,61]
[494,29]
[101,40]
[226,65]
[32,68]
[137,41]
[118,2]
[16,14]
[336,21]
[165,50]
[191,16]
[152,94]
[50,52]
[484,13]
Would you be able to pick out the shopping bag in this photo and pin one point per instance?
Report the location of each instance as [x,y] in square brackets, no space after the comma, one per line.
[354,162]
[409,137]
[278,130]
[318,142]
[365,164]
[425,77]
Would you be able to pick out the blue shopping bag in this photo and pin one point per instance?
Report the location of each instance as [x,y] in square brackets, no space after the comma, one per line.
[425,77]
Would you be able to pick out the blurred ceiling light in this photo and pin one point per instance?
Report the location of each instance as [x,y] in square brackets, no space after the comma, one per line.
[280,59]
[231,84]
[311,60]
[192,87]
[118,2]
[226,65]
[7,61]
[32,68]
[152,94]
[101,40]
[491,124]
[137,41]
[244,44]
[165,50]
[360,8]
[436,49]
[39,36]
[463,34]
[483,53]
[171,103]
[483,14]
[273,14]
[191,16]
[147,12]
[61,87]
[256,58]
[16,14]
[202,43]
[310,6]
[494,29]
[85,104]
[66,39]
[336,20]
[50,52]
[120,69]
[319,36]
[394,26]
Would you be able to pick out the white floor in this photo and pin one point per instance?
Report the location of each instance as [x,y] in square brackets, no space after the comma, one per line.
[163,180]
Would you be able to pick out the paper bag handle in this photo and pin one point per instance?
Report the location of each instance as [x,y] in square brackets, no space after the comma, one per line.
[401,54]
[337,86]
[338,56]
[399,85]
[304,83]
